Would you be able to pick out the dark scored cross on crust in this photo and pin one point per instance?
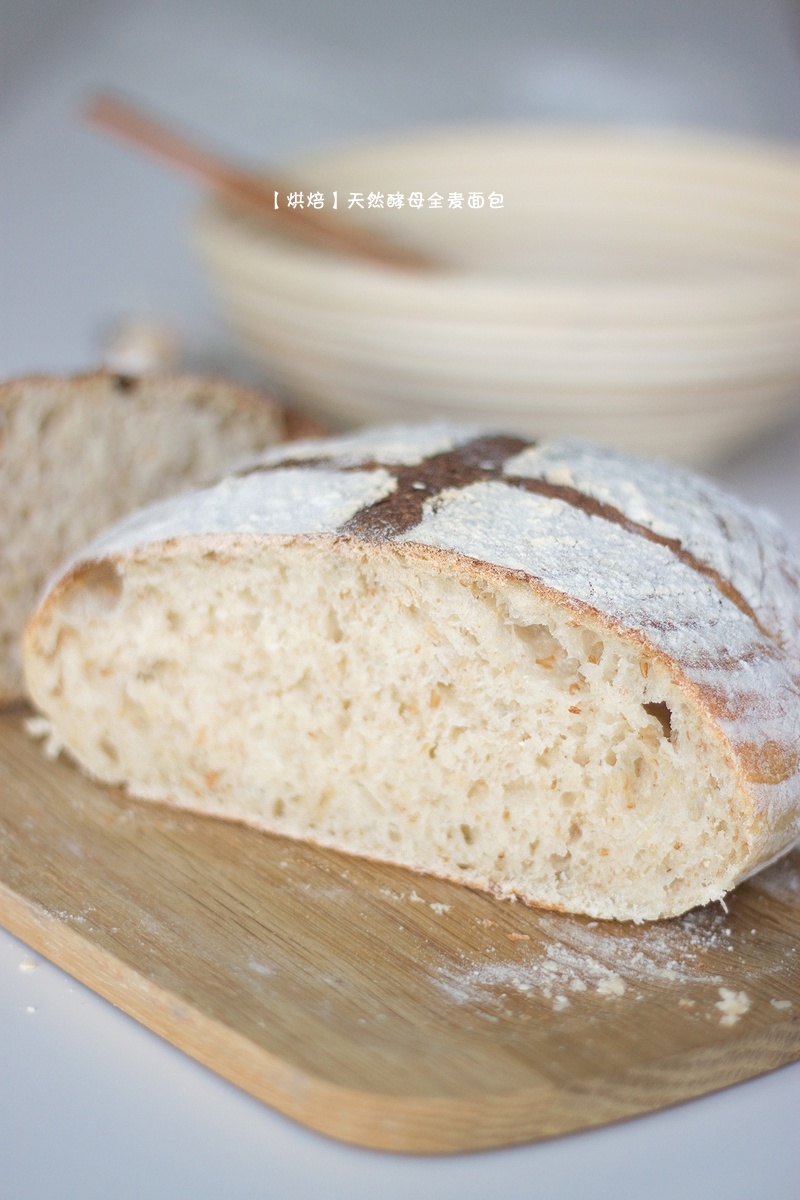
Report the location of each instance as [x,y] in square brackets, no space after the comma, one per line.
[480,460]
[477,461]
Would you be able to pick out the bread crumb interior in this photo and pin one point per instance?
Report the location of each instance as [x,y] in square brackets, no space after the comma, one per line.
[371,702]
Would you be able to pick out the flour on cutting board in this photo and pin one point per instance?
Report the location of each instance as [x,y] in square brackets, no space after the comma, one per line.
[563,958]
[579,957]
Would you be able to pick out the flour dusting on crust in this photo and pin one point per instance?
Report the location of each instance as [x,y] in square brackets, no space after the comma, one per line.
[395,445]
[746,545]
[292,501]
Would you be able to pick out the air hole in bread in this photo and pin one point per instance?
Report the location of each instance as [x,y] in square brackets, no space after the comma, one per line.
[164,670]
[560,864]
[109,749]
[334,629]
[99,592]
[662,714]
[595,652]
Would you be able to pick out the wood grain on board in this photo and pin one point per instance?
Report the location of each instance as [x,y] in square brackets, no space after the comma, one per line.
[381,1007]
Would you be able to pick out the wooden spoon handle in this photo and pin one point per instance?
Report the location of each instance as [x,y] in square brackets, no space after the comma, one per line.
[247,191]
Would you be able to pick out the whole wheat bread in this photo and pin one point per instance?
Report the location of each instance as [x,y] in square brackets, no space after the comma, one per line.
[77,453]
[549,671]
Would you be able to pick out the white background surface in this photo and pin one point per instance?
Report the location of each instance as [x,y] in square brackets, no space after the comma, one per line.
[91,1105]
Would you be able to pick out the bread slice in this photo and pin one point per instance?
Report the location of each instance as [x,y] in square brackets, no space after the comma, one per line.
[78,453]
[553,672]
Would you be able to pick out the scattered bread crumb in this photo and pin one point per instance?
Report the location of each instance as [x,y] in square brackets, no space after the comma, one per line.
[439,909]
[518,937]
[415,899]
[781,1003]
[560,1003]
[28,964]
[685,1002]
[732,1005]
[40,727]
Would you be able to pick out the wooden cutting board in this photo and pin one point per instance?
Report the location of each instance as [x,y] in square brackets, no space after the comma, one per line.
[378,1006]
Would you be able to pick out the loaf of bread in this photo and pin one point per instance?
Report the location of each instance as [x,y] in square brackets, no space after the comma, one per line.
[549,670]
[78,453]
